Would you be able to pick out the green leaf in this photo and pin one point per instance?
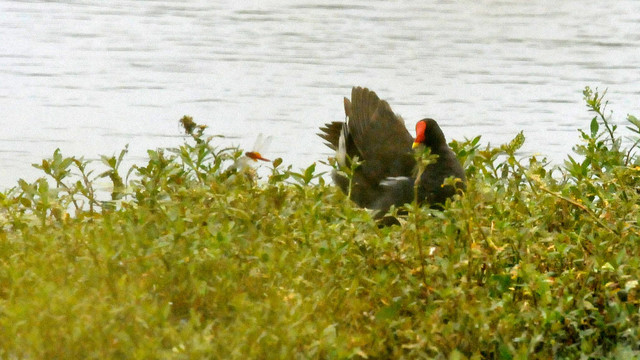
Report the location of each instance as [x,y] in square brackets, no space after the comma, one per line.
[594,127]
[388,312]
[632,119]
[308,173]
[515,144]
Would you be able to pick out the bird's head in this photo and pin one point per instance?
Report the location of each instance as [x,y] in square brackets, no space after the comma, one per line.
[428,133]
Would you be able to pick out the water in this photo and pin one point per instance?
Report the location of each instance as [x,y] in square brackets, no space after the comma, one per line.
[89,77]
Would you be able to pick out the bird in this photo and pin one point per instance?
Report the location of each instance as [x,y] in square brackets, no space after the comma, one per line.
[374,142]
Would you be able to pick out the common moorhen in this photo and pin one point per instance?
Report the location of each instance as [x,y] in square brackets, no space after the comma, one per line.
[387,170]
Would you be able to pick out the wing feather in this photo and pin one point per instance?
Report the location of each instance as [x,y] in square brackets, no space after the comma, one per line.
[377,132]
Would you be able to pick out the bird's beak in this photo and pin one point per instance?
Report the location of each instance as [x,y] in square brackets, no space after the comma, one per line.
[415,145]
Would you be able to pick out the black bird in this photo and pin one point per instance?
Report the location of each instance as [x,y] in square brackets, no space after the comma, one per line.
[387,170]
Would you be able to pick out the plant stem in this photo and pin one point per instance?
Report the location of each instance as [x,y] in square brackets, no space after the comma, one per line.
[581,206]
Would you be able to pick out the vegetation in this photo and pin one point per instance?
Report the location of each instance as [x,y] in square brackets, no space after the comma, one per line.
[194,256]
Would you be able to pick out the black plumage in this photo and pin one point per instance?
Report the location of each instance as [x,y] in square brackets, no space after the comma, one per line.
[387,169]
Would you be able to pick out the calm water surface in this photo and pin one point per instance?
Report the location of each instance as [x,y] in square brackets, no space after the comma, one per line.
[89,77]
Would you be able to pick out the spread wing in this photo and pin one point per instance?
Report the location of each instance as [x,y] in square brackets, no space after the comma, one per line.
[331,134]
[379,135]
[380,140]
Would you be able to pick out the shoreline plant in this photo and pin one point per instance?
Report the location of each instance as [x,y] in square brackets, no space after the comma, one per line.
[193,255]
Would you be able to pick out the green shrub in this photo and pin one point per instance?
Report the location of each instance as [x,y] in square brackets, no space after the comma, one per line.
[194,256]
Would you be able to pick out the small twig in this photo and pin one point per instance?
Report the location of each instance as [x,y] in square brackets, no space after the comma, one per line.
[581,206]
[423,159]
[606,123]
[628,155]
[421,254]
[484,237]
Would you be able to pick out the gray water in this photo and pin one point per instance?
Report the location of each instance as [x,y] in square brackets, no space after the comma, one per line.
[89,77]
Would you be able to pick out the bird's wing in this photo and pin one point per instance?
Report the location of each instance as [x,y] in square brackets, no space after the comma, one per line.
[376,130]
[331,134]
[380,136]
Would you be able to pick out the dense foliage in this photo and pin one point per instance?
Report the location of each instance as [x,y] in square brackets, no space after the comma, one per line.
[197,257]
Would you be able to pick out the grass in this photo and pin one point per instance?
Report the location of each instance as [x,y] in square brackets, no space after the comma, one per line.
[194,256]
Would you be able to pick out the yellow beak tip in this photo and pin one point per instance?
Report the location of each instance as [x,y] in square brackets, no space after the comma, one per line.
[415,145]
